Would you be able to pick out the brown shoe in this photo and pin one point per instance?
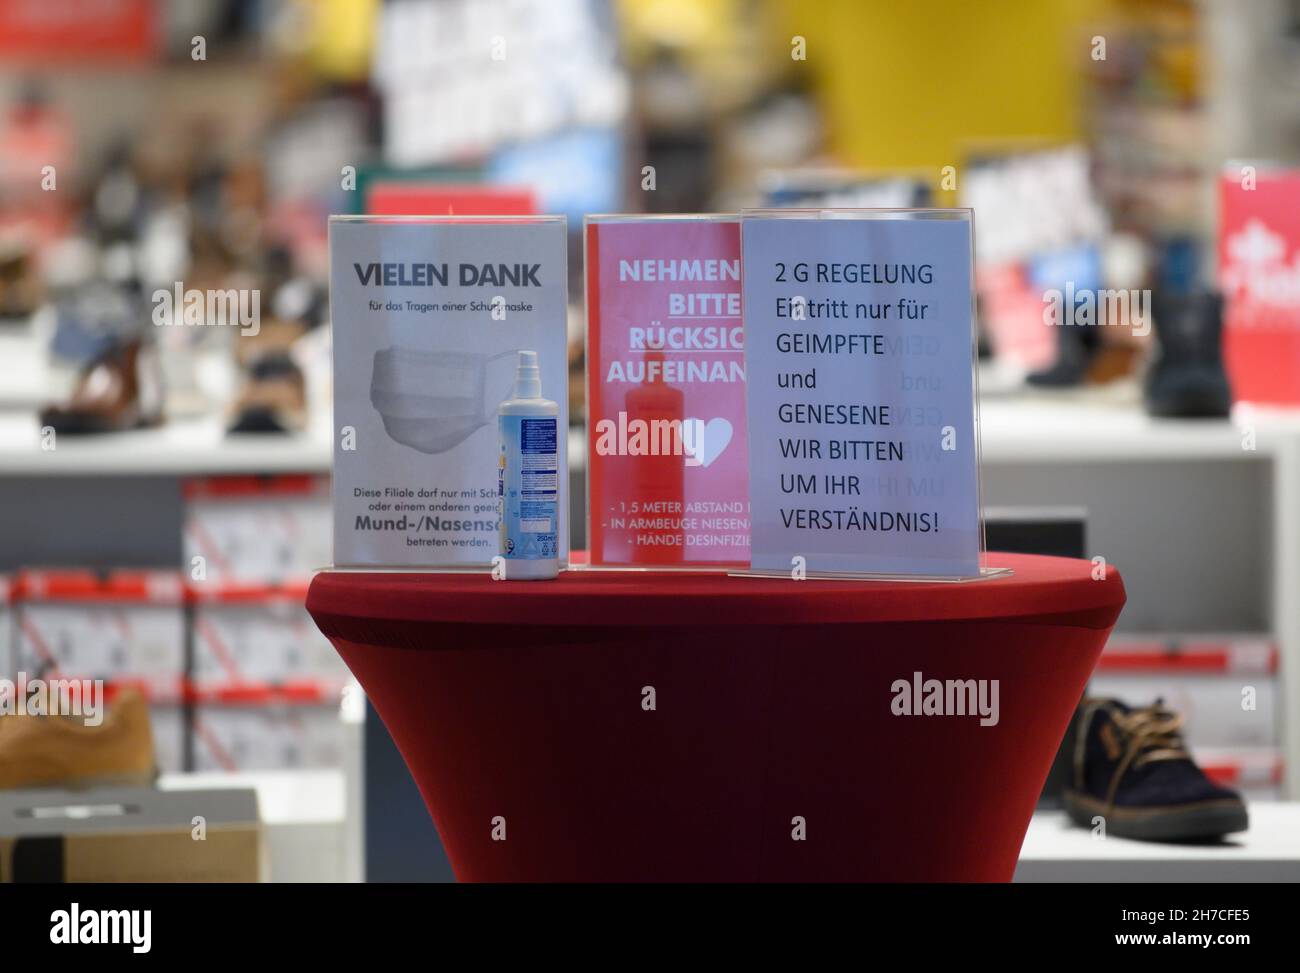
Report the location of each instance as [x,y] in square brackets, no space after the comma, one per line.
[62,751]
[120,390]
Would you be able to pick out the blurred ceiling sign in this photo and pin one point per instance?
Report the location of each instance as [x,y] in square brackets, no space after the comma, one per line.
[67,30]
[1031,202]
[462,78]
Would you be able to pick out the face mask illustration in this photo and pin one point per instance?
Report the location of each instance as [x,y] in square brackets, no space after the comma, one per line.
[432,401]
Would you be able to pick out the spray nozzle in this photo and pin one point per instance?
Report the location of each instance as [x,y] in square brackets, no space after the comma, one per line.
[528,378]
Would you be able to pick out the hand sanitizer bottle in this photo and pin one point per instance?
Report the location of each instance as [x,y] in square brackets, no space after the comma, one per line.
[528,477]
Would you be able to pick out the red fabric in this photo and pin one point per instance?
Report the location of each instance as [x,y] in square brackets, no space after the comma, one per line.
[523,700]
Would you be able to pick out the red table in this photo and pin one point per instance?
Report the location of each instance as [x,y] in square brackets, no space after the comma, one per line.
[522,704]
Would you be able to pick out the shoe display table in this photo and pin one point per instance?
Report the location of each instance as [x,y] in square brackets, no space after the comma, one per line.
[1269,851]
[772,752]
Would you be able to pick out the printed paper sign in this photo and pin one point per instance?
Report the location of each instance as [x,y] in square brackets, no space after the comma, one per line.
[666,393]
[1259,271]
[428,317]
[862,449]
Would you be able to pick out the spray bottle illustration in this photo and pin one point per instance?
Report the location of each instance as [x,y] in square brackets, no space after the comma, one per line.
[528,477]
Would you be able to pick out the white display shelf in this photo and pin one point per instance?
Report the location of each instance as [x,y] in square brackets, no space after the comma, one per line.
[1057,851]
[176,448]
[192,447]
[1044,430]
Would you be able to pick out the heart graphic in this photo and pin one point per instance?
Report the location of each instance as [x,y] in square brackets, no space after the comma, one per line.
[714,437]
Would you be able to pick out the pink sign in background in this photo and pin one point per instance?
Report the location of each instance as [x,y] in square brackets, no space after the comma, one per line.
[1259,272]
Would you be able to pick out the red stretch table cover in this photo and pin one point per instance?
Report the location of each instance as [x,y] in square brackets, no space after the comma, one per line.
[522,703]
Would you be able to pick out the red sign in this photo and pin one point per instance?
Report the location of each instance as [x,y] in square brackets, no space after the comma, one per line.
[1259,273]
[667,460]
[409,198]
[68,30]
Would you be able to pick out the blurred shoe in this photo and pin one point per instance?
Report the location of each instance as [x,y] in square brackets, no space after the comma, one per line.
[1187,379]
[118,390]
[1075,348]
[19,287]
[92,319]
[1113,362]
[273,398]
[62,751]
[1132,769]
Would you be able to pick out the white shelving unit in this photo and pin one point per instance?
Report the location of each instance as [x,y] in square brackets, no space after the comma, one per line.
[1202,518]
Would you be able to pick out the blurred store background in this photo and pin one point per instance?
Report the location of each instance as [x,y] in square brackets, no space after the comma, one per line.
[164,489]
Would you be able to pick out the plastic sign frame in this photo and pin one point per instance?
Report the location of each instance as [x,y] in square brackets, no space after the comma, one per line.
[667,475]
[838,304]
[428,313]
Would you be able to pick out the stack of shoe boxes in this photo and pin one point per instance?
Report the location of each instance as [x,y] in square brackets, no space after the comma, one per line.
[244,530]
[126,628]
[265,729]
[261,636]
[1225,689]
[264,683]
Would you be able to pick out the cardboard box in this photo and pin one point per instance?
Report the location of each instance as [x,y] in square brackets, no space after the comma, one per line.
[1257,772]
[126,627]
[131,835]
[264,733]
[167,724]
[245,636]
[1185,655]
[1218,709]
[256,530]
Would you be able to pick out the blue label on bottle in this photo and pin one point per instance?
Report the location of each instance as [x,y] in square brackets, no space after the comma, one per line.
[528,480]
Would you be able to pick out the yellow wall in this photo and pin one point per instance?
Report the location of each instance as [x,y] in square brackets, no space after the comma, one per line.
[341,35]
[908,83]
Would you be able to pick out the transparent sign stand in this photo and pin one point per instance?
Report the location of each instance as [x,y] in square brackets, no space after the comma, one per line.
[838,305]
[665,376]
[429,314]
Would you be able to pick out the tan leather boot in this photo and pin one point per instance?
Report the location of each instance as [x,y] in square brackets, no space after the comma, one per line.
[62,751]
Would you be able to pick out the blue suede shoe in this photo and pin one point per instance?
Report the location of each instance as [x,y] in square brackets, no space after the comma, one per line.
[1132,768]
